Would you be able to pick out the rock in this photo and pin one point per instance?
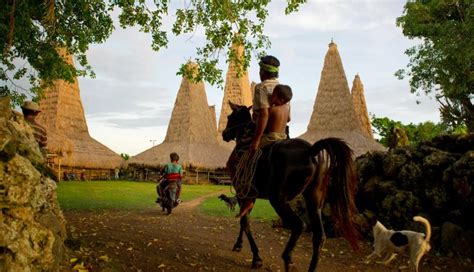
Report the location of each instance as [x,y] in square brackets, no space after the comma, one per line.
[455,239]
[392,164]
[453,143]
[410,176]
[32,225]
[434,178]
[438,160]
[464,167]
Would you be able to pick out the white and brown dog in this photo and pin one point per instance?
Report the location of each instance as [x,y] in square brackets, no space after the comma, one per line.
[387,243]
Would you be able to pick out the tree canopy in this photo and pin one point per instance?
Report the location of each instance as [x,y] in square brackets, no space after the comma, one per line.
[442,64]
[32,31]
[416,133]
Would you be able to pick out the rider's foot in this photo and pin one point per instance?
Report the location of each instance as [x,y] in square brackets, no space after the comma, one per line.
[247,205]
[158,200]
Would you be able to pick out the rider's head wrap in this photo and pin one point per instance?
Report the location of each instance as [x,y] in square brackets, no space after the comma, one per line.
[268,68]
[269,64]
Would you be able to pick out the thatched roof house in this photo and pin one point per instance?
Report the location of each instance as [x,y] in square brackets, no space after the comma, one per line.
[237,90]
[333,112]
[191,133]
[360,106]
[63,116]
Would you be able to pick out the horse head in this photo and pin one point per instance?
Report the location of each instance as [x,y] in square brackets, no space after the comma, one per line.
[236,122]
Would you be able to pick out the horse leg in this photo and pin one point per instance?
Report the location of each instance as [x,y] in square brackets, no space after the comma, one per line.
[238,244]
[313,206]
[257,262]
[288,216]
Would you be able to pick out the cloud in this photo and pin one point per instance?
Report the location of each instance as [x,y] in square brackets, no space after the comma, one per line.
[332,16]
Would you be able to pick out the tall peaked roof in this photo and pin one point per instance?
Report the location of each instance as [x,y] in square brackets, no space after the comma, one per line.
[237,90]
[63,116]
[191,132]
[360,106]
[333,112]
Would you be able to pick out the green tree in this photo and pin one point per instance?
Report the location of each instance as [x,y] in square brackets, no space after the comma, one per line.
[31,31]
[416,133]
[125,156]
[442,64]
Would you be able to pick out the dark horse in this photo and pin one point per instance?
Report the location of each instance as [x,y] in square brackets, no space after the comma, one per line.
[320,172]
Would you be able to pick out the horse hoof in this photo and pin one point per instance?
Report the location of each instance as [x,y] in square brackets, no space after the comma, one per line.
[290,267]
[237,248]
[256,264]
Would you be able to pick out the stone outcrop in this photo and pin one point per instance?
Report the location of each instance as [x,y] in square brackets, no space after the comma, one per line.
[434,179]
[32,227]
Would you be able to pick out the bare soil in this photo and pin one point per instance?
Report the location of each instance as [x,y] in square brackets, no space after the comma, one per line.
[188,240]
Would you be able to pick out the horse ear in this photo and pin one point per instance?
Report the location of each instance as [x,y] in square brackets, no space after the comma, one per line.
[233,106]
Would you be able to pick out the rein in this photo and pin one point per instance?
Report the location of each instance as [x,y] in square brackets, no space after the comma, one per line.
[236,126]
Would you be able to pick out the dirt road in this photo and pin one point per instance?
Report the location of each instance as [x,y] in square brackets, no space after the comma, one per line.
[187,240]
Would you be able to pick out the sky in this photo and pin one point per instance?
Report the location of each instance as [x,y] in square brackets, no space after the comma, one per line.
[128,104]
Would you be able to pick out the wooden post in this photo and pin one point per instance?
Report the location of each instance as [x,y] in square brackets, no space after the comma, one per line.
[197,176]
[59,169]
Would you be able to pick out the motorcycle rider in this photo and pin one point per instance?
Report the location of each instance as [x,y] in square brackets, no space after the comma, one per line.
[172,172]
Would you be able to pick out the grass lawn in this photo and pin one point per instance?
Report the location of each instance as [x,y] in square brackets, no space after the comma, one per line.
[262,210]
[119,194]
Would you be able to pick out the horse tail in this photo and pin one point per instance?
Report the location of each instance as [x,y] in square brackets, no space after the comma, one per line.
[339,185]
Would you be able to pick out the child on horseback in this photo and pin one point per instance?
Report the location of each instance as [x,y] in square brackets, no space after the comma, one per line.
[278,117]
[172,172]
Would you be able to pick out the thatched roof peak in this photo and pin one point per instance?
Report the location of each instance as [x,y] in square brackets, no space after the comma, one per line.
[63,116]
[191,132]
[360,106]
[236,90]
[334,114]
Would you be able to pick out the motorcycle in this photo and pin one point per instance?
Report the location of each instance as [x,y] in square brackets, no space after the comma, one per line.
[168,196]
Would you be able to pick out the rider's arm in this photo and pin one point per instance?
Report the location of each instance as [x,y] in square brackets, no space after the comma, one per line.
[289,112]
[262,121]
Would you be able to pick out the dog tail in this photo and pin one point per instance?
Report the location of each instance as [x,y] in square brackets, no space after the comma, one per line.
[427,226]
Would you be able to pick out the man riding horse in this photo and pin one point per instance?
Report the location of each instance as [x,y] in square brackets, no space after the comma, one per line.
[322,172]
[269,66]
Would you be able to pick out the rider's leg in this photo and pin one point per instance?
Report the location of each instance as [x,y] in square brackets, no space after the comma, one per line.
[161,187]
[178,191]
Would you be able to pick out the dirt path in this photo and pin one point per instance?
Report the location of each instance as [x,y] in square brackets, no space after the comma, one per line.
[187,240]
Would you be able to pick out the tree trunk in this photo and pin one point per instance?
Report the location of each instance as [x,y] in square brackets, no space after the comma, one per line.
[468,114]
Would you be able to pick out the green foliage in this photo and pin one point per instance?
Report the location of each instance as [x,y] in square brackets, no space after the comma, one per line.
[119,194]
[416,133]
[32,31]
[442,64]
[125,156]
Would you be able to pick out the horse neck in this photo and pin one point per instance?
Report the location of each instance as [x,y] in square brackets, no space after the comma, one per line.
[245,134]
